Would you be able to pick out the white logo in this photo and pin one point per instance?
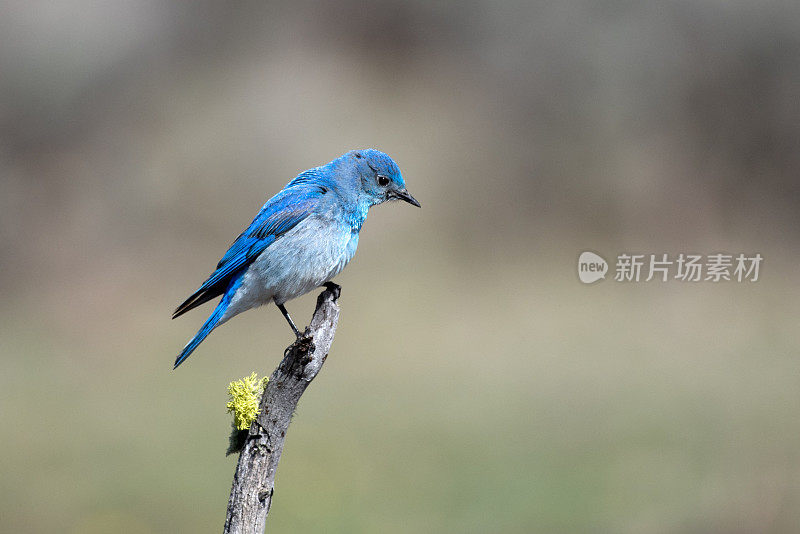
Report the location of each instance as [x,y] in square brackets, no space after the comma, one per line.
[591,267]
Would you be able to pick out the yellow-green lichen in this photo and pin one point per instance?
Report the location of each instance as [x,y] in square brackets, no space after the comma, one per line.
[245,395]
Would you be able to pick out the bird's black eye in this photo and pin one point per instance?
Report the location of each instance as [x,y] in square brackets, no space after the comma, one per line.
[382,180]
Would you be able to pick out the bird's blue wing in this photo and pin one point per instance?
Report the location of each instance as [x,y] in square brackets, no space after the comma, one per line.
[279,215]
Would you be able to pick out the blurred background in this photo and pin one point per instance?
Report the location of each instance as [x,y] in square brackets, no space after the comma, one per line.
[475,385]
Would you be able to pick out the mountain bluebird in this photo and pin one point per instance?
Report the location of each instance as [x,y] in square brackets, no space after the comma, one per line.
[301,238]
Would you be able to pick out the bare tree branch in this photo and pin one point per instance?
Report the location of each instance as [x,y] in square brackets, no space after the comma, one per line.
[254,481]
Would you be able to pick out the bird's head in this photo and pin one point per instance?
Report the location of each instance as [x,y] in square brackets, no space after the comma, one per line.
[380,177]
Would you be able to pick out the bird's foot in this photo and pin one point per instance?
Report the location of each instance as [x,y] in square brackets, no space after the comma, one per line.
[303,346]
[297,356]
[302,338]
[336,289]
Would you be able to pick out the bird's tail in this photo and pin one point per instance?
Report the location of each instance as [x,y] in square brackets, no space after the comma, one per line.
[211,323]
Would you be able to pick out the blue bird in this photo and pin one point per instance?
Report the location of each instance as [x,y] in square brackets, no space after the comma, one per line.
[300,240]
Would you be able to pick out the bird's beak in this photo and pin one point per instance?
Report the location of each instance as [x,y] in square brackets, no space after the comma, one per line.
[403,194]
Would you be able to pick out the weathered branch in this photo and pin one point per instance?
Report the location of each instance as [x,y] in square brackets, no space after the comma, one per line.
[254,481]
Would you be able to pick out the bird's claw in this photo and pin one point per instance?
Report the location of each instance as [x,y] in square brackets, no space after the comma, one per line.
[334,288]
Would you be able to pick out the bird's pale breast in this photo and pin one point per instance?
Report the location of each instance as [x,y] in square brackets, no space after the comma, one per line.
[307,256]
